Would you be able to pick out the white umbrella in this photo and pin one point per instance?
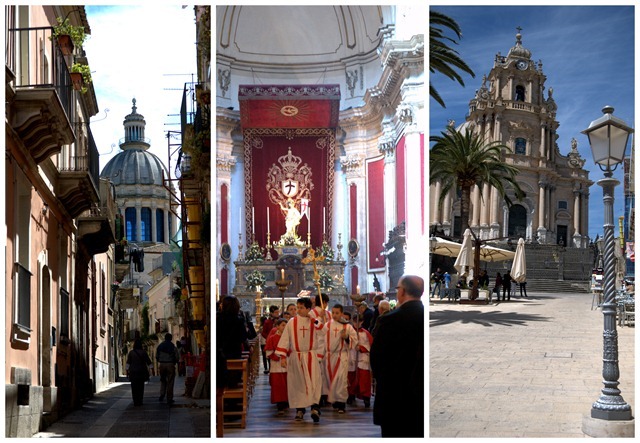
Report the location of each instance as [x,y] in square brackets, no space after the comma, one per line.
[519,266]
[492,254]
[447,248]
[465,256]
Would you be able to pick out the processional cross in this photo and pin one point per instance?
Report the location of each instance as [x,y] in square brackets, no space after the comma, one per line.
[313,258]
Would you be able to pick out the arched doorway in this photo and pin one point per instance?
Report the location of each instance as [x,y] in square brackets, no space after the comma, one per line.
[517,221]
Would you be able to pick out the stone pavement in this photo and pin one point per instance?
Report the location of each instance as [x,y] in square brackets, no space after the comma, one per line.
[529,367]
[111,414]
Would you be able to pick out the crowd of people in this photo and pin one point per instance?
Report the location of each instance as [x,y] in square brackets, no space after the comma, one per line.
[503,284]
[318,356]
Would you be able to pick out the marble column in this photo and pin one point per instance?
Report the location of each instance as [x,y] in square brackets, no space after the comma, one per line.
[475,199]
[576,212]
[437,213]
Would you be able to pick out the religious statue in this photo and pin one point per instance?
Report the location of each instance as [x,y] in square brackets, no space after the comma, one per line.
[292,217]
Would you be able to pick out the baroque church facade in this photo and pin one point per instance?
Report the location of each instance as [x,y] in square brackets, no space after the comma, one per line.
[511,106]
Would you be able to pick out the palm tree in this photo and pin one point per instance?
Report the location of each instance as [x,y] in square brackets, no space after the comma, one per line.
[462,160]
[442,58]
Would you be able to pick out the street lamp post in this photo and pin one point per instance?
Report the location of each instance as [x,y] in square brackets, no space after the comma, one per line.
[608,138]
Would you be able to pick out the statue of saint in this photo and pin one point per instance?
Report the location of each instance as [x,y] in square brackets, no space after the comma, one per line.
[292,217]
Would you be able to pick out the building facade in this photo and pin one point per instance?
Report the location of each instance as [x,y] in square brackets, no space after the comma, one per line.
[511,106]
[60,226]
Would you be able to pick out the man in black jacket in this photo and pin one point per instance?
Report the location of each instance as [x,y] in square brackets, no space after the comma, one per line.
[397,362]
[167,357]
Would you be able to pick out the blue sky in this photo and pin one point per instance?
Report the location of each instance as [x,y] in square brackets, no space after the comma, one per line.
[588,58]
[142,51]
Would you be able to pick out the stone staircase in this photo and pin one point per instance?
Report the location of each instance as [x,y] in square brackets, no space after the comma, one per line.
[563,286]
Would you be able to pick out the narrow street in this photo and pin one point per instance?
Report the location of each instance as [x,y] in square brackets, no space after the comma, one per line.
[111,414]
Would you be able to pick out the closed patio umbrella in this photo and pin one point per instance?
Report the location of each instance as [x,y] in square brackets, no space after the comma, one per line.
[465,255]
[519,266]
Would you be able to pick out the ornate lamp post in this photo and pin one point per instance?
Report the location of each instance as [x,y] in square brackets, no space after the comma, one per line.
[608,138]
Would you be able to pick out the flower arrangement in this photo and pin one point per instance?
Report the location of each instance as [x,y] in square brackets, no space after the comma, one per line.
[326,251]
[393,303]
[326,281]
[255,279]
[254,253]
[290,240]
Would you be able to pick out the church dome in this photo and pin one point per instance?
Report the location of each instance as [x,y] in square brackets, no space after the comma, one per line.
[134,165]
[519,51]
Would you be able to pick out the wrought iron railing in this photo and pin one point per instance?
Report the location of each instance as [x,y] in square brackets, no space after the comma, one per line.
[85,156]
[37,62]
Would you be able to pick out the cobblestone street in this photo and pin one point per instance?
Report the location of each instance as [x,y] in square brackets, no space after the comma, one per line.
[529,367]
[111,414]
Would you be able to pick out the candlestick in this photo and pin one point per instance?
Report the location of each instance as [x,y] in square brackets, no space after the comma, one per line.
[282,274]
[268,226]
[324,220]
[253,221]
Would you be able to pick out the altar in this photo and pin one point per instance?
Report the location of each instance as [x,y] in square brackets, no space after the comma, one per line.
[288,266]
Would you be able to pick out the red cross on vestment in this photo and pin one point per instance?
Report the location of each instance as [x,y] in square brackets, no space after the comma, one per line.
[303,329]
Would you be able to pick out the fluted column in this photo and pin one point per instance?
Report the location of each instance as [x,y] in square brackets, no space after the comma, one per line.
[576,212]
[475,219]
[543,140]
[486,209]
[437,213]
[446,211]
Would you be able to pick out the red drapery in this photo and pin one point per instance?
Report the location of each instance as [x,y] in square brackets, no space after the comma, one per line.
[262,150]
[275,118]
[375,214]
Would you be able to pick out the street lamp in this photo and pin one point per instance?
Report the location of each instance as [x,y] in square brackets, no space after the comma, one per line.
[608,138]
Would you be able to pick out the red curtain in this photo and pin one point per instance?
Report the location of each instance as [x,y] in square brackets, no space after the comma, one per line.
[401,191]
[263,147]
[375,214]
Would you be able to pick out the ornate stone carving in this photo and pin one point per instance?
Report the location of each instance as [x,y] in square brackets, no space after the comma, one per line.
[224,80]
[225,163]
[352,80]
[352,164]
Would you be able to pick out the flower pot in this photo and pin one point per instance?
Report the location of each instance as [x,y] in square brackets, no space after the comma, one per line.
[76,80]
[65,44]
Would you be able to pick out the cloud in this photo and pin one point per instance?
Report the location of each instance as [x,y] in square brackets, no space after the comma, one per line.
[142,52]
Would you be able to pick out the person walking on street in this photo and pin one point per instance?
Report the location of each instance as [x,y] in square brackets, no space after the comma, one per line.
[138,367]
[167,357]
[436,277]
[397,363]
[498,285]
[506,286]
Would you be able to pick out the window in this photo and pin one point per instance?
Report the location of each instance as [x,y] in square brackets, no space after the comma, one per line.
[64,316]
[519,93]
[145,224]
[562,204]
[160,225]
[130,217]
[23,277]
[103,297]
[521,146]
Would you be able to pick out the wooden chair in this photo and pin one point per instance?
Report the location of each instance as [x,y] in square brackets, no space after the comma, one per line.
[239,392]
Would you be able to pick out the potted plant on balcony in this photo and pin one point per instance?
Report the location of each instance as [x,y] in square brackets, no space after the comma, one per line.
[68,35]
[80,76]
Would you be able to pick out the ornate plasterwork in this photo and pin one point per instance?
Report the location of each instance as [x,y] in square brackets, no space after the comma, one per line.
[353,165]
[224,163]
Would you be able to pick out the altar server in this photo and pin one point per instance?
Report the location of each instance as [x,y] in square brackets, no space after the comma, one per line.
[340,338]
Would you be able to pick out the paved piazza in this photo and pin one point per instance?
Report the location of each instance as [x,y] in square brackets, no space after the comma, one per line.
[522,368]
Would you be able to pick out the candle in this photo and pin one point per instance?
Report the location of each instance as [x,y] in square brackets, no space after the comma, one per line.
[282,274]
[324,220]
[240,221]
[217,289]
[357,289]
[308,220]
[253,220]
[268,226]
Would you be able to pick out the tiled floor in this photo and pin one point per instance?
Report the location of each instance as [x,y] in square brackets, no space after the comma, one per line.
[262,420]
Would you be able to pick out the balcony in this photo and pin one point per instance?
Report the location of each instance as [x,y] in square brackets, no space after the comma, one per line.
[96,226]
[40,107]
[79,174]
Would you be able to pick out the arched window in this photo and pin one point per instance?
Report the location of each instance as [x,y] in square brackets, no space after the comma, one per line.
[145,224]
[517,221]
[519,93]
[130,217]
[521,146]
[159,225]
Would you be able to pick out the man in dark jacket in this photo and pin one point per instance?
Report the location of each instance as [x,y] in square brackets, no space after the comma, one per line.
[397,362]
[167,357]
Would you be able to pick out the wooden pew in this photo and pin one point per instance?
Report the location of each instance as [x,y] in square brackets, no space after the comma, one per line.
[239,392]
